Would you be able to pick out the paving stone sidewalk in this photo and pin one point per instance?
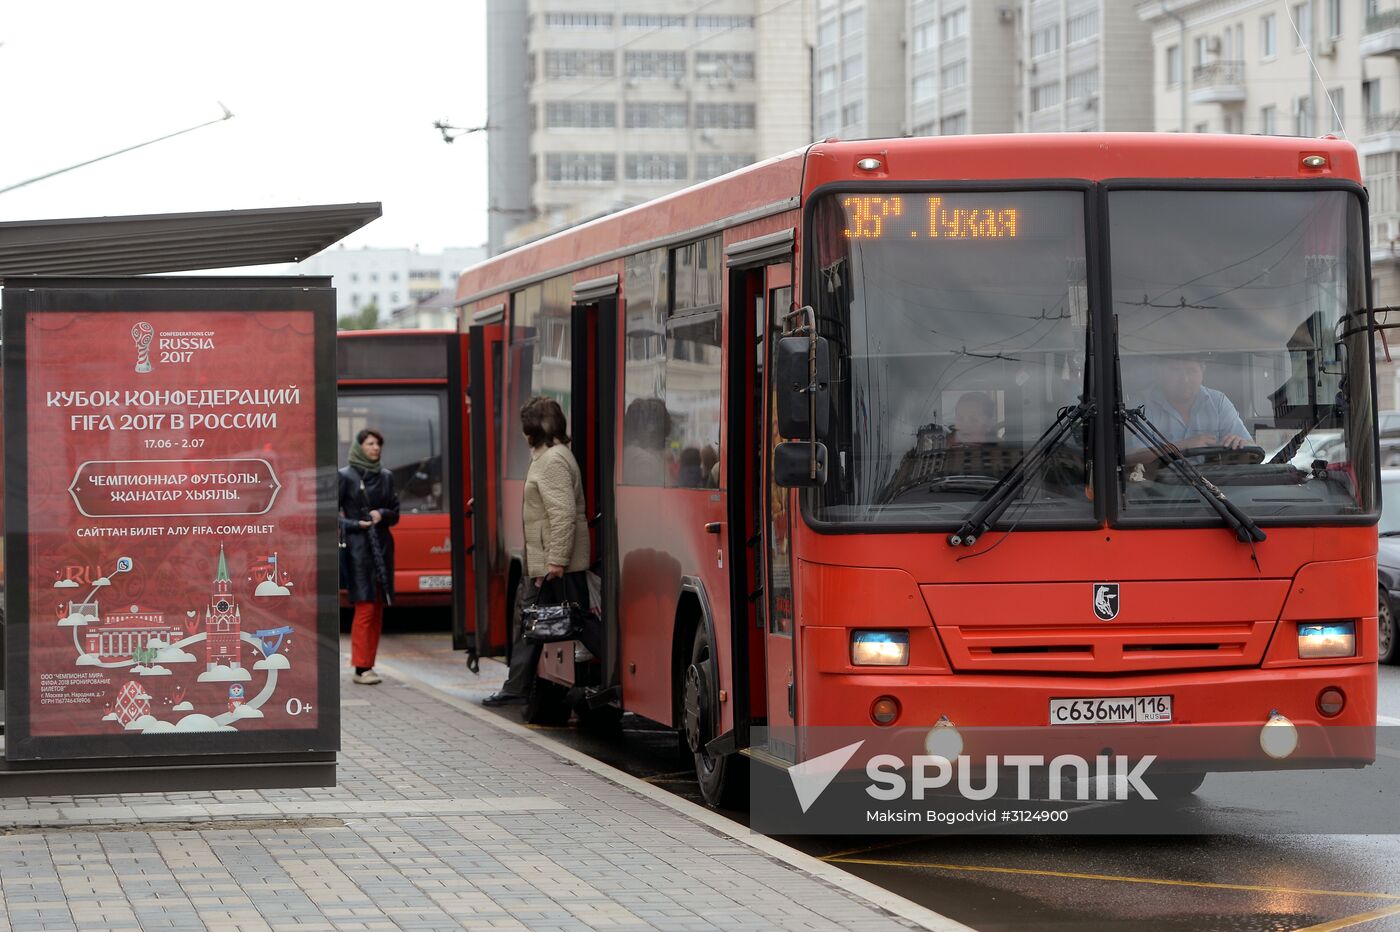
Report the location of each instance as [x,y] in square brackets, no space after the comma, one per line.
[441,821]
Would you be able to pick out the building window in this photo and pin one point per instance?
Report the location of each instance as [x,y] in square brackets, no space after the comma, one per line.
[827,33]
[1082,84]
[827,124]
[1334,19]
[578,21]
[924,129]
[656,166]
[1173,65]
[1045,40]
[652,21]
[724,22]
[923,37]
[925,87]
[826,79]
[1268,36]
[579,63]
[1202,50]
[1302,24]
[724,65]
[654,64]
[579,114]
[1302,117]
[1081,27]
[580,167]
[724,116]
[655,116]
[853,67]
[853,22]
[1268,120]
[852,113]
[953,25]
[374,276]
[954,75]
[1045,96]
[718,163]
[354,278]
[1337,106]
[1202,127]
[954,124]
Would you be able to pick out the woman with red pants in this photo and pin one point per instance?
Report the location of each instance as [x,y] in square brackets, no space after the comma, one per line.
[369,506]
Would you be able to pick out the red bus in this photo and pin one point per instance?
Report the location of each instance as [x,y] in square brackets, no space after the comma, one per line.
[889,433]
[408,384]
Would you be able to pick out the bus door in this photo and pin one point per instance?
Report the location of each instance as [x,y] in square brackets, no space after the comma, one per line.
[593,423]
[480,628]
[761,576]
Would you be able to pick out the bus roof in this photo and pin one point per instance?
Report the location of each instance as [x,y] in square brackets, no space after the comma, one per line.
[781,183]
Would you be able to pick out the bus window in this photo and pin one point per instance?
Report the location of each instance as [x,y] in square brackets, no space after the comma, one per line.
[413,443]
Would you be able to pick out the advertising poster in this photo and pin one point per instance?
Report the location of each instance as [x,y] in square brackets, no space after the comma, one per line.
[169,554]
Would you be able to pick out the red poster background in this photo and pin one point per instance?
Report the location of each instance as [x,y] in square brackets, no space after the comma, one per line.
[139,661]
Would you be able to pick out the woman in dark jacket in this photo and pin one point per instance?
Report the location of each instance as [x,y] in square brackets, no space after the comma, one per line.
[369,506]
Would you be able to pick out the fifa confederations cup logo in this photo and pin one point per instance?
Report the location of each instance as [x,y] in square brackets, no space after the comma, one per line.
[142,334]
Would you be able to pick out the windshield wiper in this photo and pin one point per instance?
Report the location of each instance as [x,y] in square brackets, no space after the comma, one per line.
[991,505]
[1242,524]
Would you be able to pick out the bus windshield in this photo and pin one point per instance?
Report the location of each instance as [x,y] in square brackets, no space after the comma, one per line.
[413,443]
[960,321]
[1243,340]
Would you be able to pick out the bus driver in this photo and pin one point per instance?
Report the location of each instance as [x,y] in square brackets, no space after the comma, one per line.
[1188,413]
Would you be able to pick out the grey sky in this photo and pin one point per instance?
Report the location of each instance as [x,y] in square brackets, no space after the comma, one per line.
[333,102]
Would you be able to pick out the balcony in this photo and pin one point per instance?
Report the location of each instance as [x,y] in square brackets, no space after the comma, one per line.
[1382,134]
[1220,82]
[1382,36]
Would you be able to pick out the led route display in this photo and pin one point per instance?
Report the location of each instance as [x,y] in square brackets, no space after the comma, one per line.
[929,217]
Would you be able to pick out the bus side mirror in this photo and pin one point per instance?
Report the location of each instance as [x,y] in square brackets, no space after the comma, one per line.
[802,369]
[792,464]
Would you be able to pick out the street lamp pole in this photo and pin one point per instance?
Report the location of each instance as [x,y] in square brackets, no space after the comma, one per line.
[228,115]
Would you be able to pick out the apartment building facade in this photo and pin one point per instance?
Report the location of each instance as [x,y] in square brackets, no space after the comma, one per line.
[949,67]
[1294,68]
[625,100]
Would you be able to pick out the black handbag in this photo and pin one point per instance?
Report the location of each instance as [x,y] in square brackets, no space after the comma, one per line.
[545,624]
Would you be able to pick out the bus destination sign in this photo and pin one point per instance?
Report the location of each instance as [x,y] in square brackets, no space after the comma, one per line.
[928,217]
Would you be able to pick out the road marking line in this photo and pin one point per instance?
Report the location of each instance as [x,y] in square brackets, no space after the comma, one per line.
[1346,922]
[1147,880]
[1387,720]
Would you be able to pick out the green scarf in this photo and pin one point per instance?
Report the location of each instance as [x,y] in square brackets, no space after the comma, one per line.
[362,462]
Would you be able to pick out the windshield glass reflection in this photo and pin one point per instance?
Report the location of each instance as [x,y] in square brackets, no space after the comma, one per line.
[959,322]
[1242,339]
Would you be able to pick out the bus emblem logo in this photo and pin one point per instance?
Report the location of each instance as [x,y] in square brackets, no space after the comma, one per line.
[1106,600]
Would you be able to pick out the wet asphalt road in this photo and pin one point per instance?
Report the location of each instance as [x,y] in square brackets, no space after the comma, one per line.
[1201,882]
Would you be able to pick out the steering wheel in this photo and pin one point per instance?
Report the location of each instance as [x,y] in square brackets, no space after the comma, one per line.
[1249,455]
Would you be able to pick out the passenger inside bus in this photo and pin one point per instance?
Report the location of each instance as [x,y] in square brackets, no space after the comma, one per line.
[974,420]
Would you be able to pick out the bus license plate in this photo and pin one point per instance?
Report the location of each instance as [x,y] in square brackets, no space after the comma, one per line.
[434,582]
[1120,710]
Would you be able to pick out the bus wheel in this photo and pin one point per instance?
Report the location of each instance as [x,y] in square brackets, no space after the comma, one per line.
[722,778]
[1174,785]
[548,703]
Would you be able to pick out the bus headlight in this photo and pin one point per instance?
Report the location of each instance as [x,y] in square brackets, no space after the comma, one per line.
[1326,639]
[880,648]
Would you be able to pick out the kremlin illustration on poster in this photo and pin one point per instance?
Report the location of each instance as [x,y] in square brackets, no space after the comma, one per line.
[150,648]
